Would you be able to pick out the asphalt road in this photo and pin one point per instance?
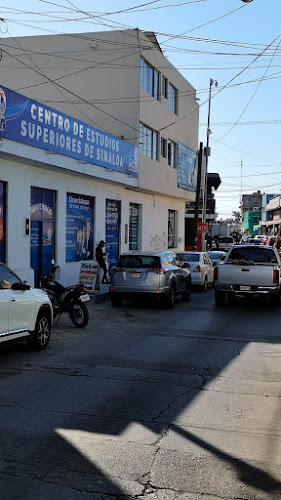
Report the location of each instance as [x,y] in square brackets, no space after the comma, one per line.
[146,404]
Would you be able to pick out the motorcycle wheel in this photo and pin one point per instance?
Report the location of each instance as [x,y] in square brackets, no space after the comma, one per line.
[79,314]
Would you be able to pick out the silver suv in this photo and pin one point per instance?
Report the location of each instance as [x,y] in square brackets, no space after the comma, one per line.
[159,274]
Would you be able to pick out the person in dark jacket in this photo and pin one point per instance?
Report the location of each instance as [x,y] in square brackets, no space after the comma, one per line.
[100,258]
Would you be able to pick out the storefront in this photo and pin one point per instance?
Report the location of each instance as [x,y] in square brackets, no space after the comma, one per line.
[64,186]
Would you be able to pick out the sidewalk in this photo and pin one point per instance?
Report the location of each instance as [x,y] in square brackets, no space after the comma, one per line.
[100,295]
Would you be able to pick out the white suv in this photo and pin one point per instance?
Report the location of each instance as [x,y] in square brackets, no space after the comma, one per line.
[25,313]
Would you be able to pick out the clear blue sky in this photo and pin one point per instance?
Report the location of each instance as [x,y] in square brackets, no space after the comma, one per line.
[204,39]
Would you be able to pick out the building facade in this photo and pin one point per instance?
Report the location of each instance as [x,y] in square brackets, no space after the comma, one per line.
[251,222]
[103,146]
[273,211]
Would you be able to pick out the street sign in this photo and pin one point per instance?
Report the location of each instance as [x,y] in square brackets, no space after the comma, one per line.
[202,227]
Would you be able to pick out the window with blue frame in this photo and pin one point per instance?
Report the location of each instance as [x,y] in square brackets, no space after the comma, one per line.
[149,79]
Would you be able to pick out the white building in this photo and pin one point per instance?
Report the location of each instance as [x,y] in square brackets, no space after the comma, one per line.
[108,132]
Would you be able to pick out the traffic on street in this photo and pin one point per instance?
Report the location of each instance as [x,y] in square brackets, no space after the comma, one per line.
[146,403]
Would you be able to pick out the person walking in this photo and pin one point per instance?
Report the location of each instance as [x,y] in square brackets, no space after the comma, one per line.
[100,258]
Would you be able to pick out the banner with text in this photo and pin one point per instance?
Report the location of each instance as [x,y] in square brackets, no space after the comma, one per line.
[187,167]
[29,122]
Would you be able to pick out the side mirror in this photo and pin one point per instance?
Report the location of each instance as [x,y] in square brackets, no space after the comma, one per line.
[222,257]
[21,286]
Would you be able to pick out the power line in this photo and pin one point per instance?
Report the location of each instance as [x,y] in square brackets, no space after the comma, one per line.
[252,97]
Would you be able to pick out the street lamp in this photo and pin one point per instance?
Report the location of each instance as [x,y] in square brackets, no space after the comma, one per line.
[204,208]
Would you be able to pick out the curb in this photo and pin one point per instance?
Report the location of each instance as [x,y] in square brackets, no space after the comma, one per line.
[102,297]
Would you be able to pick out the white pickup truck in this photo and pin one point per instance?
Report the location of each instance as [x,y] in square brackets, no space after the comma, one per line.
[249,271]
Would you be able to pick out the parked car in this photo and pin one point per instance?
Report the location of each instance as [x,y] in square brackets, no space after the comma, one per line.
[155,274]
[201,268]
[25,313]
[271,241]
[253,241]
[216,256]
[249,271]
[224,242]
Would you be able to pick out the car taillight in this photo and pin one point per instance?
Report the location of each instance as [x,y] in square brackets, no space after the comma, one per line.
[154,270]
[117,270]
[275,276]
[198,269]
[216,273]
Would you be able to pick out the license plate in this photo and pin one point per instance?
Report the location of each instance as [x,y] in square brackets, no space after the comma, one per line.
[85,298]
[135,275]
[245,288]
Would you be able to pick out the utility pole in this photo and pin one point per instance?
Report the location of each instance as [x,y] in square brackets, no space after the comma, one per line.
[212,82]
[197,198]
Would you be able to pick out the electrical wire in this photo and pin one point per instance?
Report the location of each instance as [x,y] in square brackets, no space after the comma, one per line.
[85,101]
[251,99]
[207,23]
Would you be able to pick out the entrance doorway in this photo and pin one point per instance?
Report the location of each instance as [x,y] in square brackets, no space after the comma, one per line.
[42,231]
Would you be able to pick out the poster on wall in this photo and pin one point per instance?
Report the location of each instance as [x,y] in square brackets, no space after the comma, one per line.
[88,275]
[187,167]
[2,221]
[42,204]
[79,227]
[113,210]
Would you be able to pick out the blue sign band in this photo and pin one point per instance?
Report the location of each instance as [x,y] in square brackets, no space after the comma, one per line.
[29,122]
[187,167]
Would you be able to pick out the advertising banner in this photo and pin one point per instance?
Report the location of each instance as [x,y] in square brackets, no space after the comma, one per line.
[113,210]
[88,275]
[29,122]
[79,227]
[187,167]
[42,204]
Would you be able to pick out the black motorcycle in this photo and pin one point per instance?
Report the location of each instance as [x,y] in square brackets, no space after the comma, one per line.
[69,299]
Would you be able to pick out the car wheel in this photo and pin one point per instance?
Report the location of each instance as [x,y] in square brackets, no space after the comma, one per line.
[170,299]
[41,335]
[220,298]
[79,314]
[116,300]
[187,294]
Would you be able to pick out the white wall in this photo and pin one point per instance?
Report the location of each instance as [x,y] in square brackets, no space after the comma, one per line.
[20,177]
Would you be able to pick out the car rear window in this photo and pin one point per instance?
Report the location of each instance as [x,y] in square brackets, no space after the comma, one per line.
[139,261]
[189,257]
[216,255]
[253,255]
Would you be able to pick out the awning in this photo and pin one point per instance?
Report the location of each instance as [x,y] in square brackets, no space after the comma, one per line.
[273,222]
